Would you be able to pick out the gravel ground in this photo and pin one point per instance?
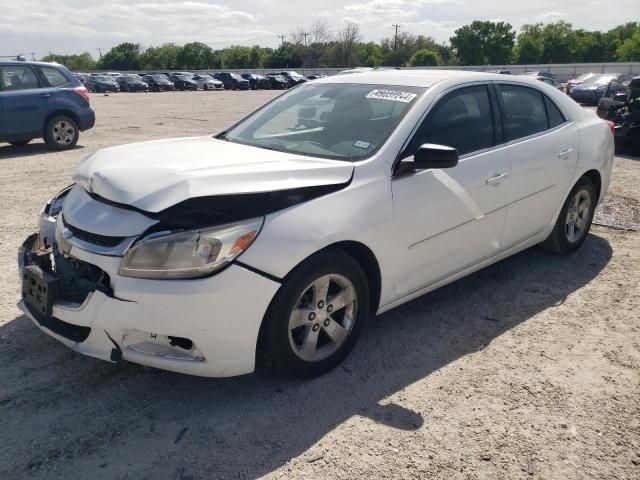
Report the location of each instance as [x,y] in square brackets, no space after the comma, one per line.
[528,369]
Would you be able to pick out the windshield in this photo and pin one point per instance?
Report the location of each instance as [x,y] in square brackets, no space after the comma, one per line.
[600,79]
[338,121]
[104,78]
[584,77]
[159,78]
[183,77]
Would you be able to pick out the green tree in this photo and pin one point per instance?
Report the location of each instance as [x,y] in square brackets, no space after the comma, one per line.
[80,62]
[629,50]
[559,42]
[163,57]
[195,56]
[424,58]
[125,56]
[530,45]
[484,42]
[398,51]
[287,55]
[368,54]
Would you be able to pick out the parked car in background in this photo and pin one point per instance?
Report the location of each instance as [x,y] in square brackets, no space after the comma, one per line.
[102,84]
[501,72]
[207,82]
[232,81]
[623,109]
[593,89]
[183,82]
[276,240]
[42,100]
[132,83]
[294,78]
[550,81]
[316,76]
[540,73]
[256,81]
[158,83]
[277,82]
[83,77]
[578,80]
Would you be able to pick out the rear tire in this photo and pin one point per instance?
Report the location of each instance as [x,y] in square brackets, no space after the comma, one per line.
[316,317]
[61,133]
[574,222]
[19,143]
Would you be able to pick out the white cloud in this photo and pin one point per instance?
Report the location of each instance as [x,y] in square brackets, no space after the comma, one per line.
[74,26]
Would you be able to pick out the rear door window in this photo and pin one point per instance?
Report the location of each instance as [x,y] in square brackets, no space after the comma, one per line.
[463,119]
[18,77]
[54,76]
[523,112]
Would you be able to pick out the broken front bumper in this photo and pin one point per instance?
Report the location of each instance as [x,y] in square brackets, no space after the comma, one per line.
[206,327]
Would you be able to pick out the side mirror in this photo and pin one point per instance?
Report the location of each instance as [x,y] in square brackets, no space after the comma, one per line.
[430,155]
[620,97]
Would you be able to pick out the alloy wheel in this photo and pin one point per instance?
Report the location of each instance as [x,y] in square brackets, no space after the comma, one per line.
[323,317]
[578,215]
[63,132]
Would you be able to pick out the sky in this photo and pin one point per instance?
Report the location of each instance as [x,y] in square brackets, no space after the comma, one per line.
[76,26]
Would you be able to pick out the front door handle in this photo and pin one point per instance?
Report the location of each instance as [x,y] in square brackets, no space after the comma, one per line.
[45,95]
[565,153]
[496,179]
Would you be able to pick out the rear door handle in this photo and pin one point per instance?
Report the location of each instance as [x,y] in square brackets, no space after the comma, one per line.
[497,179]
[45,95]
[565,153]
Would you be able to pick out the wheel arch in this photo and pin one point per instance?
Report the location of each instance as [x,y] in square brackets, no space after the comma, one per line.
[61,111]
[596,179]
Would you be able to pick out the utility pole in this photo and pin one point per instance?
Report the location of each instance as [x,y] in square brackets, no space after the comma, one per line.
[282,39]
[99,50]
[33,56]
[306,50]
[395,44]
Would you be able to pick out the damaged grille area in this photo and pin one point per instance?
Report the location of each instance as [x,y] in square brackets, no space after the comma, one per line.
[93,238]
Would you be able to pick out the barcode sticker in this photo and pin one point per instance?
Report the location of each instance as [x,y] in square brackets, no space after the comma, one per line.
[393,95]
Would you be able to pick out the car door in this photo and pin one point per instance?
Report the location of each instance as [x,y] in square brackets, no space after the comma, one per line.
[542,144]
[450,219]
[25,101]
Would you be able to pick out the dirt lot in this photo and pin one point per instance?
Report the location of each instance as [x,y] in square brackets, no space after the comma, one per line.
[528,369]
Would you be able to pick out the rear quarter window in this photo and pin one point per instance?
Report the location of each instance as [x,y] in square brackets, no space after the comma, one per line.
[555,115]
[54,76]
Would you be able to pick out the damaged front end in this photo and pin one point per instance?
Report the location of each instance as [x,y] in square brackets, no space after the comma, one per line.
[48,277]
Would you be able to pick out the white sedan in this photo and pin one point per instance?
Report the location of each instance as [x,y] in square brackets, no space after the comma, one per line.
[278,238]
[207,82]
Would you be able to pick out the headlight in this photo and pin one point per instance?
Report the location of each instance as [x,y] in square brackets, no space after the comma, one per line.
[190,253]
[54,205]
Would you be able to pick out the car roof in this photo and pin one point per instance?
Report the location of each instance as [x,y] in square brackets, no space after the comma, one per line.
[20,62]
[413,78]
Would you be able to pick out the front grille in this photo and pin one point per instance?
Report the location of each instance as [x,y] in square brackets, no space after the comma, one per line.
[93,238]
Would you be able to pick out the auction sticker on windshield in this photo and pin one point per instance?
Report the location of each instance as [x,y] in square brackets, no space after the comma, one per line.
[393,95]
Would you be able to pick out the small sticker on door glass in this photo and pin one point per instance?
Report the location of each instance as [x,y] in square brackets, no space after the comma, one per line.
[393,95]
[361,144]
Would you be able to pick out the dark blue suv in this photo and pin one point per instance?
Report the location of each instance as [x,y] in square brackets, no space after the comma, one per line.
[42,100]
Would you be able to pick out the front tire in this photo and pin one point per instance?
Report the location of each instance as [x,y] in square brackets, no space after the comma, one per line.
[61,133]
[317,315]
[574,222]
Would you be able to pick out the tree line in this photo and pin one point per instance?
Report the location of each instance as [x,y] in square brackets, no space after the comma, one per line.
[478,43]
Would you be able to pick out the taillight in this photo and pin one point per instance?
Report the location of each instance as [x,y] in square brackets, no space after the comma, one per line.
[83,92]
[612,127]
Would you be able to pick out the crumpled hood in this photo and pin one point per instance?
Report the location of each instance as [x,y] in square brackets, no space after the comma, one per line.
[153,176]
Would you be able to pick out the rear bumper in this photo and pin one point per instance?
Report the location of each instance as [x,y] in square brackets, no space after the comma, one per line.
[140,319]
[86,119]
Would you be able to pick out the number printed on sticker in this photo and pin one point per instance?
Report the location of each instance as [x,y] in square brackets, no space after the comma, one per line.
[393,95]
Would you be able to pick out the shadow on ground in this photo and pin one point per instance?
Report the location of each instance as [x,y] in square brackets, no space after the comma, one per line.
[62,413]
[34,148]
